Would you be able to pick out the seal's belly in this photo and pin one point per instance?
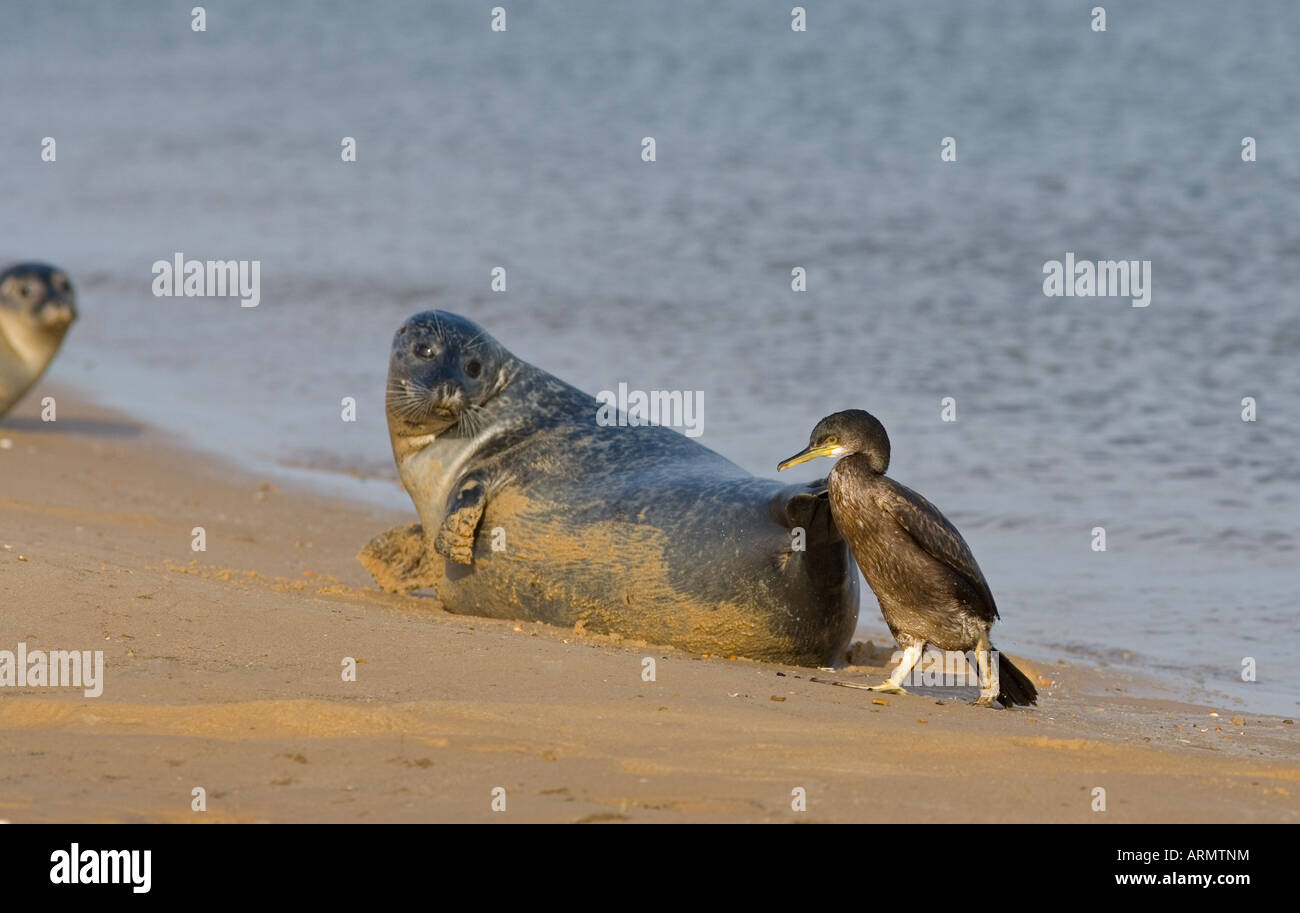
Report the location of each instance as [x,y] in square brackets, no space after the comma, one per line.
[701,565]
[16,376]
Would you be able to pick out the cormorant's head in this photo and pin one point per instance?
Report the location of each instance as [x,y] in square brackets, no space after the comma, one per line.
[838,435]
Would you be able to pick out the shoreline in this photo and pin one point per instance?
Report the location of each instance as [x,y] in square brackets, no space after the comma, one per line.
[1149,677]
[222,670]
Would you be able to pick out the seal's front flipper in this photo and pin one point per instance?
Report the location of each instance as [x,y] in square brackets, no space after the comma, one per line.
[822,559]
[398,559]
[808,507]
[455,539]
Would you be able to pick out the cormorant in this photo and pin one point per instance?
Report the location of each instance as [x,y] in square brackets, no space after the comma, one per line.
[929,586]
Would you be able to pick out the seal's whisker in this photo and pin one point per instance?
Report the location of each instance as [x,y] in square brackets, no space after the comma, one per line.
[470,421]
[480,419]
[407,386]
[409,404]
[472,345]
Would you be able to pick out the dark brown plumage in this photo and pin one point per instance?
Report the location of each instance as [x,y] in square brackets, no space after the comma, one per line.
[930,588]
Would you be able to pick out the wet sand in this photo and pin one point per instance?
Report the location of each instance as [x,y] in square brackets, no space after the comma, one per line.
[223,671]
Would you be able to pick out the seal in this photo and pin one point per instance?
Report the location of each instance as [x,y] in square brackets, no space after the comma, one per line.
[37,305]
[531,509]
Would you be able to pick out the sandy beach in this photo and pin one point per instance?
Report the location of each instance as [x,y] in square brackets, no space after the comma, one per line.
[223,671]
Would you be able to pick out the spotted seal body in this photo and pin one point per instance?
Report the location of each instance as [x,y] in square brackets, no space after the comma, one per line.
[530,509]
[37,305]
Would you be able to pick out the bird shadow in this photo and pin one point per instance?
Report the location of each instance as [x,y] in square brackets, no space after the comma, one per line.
[958,693]
[96,427]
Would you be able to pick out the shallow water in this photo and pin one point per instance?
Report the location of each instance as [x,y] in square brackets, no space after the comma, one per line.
[775,150]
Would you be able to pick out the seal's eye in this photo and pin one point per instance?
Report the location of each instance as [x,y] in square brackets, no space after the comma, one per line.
[423,350]
[473,367]
[29,289]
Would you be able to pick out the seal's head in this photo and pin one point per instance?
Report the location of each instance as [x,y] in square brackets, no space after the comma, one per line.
[443,373]
[37,305]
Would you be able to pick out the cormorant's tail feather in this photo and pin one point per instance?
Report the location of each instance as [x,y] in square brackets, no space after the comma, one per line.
[1014,686]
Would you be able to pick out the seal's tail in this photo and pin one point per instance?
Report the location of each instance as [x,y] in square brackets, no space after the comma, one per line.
[1014,687]
[399,560]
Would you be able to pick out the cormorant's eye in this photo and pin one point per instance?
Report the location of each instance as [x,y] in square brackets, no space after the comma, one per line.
[423,350]
[473,367]
[832,440]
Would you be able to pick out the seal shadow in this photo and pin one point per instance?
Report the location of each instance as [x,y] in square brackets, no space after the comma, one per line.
[96,427]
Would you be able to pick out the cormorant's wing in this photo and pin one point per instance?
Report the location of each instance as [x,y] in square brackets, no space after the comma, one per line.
[931,530]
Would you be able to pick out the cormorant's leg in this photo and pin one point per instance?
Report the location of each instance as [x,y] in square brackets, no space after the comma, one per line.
[912,650]
[988,672]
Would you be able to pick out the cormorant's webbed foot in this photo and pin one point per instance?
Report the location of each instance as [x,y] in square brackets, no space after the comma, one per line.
[889,687]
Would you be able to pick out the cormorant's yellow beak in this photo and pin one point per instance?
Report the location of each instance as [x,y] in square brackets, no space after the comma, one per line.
[803,456]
